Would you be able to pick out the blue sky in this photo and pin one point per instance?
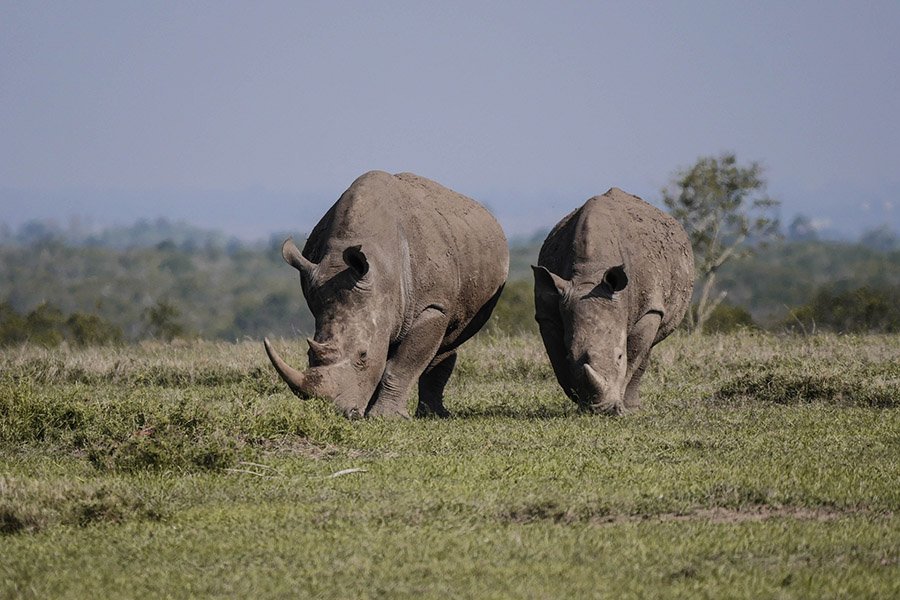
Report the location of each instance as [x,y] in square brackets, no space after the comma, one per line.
[255,116]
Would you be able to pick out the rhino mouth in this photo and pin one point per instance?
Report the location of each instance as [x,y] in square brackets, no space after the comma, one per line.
[606,408]
[318,382]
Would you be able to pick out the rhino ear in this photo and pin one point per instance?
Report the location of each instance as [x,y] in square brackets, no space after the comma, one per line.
[615,279]
[293,257]
[357,261]
[546,283]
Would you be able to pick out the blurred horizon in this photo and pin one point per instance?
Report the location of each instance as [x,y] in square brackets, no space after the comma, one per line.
[245,117]
[163,231]
[255,214]
[169,278]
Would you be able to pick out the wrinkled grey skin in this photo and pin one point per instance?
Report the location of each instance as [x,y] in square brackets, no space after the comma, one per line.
[398,273]
[614,278]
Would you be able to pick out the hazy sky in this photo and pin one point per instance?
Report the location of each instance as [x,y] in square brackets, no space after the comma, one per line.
[255,116]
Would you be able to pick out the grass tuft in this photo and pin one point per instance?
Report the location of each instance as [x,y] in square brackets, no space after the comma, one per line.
[876,390]
[30,507]
[129,429]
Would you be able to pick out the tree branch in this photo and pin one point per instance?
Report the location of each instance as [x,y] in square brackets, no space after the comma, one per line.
[728,252]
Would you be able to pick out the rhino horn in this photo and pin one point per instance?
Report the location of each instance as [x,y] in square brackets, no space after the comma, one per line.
[296,380]
[600,385]
[295,258]
[597,381]
[318,349]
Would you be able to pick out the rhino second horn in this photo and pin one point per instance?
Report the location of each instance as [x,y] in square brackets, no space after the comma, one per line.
[294,378]
[318,349]
[295,258]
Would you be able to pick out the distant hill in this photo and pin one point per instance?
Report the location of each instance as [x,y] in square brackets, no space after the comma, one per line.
[787,274]
[142,234]
[225,288]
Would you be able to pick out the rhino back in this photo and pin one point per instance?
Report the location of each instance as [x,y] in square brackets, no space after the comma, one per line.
[619,228]
[367,210]
[458,252]
[458,256]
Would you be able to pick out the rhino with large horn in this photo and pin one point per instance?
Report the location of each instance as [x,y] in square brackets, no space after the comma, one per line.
[614,278]
[398,273]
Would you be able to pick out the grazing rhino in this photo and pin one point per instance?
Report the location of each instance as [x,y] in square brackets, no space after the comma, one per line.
[398,273]
[614,278]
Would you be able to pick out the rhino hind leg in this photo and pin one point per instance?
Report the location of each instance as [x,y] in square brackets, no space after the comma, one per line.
[407,363]
[432,384]
[640,341]
[478,321]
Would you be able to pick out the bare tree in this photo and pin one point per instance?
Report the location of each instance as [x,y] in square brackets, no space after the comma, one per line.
[721,206]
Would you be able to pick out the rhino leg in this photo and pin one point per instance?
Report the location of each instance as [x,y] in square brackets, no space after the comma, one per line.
[631,399]
[640,340]
[407,363]
[431,386]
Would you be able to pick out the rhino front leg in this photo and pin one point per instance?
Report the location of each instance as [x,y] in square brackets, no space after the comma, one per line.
[407,364]
[432,384]
[631,399]
[640,340]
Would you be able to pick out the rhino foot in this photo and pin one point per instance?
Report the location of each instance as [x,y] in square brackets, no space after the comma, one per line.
[423,410]
[388,412]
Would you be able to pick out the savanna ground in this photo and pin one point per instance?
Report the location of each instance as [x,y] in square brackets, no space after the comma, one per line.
[760,467]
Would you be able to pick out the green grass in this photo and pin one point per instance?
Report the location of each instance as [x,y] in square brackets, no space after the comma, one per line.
[760,466]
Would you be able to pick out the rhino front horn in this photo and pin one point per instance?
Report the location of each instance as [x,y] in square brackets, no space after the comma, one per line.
[294,378]
[599,385]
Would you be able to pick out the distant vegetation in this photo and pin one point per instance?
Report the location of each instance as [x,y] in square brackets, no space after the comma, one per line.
[864,309]
[722,205]
[203,286]
[45,325]
[162,280]
[785,275]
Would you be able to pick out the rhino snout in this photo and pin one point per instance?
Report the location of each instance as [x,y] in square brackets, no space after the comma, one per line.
[601,394]
[334,382]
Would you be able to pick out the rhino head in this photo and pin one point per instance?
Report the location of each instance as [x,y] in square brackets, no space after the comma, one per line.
[348,294]
[587,319]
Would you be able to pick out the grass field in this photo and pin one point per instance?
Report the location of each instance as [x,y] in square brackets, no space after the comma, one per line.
[760,467]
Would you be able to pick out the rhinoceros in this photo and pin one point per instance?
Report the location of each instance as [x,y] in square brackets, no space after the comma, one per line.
[398,273]
[614,278]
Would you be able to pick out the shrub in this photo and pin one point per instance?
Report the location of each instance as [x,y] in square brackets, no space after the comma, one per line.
[161,321]
[865,309]
[514,313]
[12,326]
[727,317]
[89,330]
[47,326]
[44,324]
